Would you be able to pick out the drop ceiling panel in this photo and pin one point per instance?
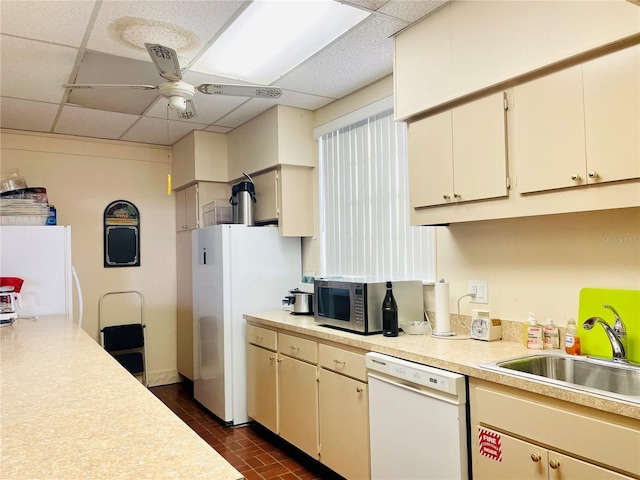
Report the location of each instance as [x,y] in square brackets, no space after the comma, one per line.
[341,68]
[86,122]
[303,100]
[103,68]
[34,70]
[410,11]
[217,129]
[63,22]
[122,28]
[156,131]
[27,115]
[246,112]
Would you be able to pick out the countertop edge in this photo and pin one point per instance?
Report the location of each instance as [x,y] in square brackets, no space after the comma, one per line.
[305,326]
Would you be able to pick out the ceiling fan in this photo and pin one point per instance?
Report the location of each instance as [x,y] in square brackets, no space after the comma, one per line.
[180,94]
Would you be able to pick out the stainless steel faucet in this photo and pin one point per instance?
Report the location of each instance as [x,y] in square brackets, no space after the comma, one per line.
[617,335]
[618,326]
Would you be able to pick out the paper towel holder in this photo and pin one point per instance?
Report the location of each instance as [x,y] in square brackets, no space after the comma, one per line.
[442,322]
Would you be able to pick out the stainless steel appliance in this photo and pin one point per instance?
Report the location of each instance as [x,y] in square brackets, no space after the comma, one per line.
[300,303]
[417,420]
[243,196]
[356,305]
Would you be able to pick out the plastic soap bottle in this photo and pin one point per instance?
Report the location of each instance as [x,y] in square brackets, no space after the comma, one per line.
[550,337]
[525,329]
[571,339]
[534,334]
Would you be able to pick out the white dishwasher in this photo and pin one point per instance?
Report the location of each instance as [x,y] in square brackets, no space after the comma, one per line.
[417,421]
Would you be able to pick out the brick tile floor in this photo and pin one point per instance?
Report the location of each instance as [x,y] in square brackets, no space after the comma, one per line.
[254,451]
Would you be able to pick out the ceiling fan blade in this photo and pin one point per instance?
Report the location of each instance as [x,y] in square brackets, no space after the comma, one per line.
[189,112]
[166,61]
[110,85]
[261,91]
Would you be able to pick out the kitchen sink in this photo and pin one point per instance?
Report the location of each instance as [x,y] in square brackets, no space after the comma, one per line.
[605,377]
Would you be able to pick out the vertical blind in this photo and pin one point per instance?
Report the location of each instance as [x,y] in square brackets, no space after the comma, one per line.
[364,204]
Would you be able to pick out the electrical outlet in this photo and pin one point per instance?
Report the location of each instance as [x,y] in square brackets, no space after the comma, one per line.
[479,287]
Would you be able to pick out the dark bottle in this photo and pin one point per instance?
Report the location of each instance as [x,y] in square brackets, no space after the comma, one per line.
[389,314]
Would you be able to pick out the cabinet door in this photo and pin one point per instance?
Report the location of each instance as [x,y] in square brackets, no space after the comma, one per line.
[480,149]
[612,116]
[344,425]
[431,161]
[548,131]
[187,214]
[262,386]
[181,221]
[191,207]
[562,467]
[422,64]
[266,208]
[298,404]
[516,459]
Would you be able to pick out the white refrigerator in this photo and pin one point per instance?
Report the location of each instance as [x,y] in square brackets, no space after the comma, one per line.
[41,256]
[237,269]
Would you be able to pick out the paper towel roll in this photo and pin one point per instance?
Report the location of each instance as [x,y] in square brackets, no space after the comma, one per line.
[443,320]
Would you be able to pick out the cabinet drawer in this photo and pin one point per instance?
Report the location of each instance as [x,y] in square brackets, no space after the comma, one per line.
[262,337]
[300,348]
[344,362]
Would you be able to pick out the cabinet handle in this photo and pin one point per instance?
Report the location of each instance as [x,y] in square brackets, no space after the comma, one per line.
[457,195]
[593,174]
[259,338]
[294,349]
[339,362]
[359,389]
[446,196]
[555,464]
[536,457]
[272,357]
[575,177]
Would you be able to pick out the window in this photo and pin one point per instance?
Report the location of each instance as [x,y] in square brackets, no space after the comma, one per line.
[364,204]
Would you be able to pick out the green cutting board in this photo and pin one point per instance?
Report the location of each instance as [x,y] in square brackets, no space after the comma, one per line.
[627,303]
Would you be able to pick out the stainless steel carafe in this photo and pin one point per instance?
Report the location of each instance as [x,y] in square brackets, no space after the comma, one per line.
[243,197]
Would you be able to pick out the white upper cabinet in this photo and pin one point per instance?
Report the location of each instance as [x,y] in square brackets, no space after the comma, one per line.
[469,46]
[612,116]
[199,156]
[280,136]
[579,126]
[459,155]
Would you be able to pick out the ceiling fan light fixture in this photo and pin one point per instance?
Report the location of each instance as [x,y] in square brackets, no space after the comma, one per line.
[177,103]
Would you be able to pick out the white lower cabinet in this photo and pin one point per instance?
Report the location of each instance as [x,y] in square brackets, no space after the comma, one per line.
[521,459]
[312,395]
[516,434]
[298,393]
[344,412]
[262,379]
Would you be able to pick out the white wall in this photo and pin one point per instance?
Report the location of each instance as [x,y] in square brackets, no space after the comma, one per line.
[539,264]
[82,176]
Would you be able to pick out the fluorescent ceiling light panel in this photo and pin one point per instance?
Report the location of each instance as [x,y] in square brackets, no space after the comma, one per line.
[273,36]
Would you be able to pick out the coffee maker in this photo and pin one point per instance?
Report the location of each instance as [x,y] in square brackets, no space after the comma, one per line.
[9,299]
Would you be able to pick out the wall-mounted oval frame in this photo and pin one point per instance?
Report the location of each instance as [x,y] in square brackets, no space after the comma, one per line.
[121,235]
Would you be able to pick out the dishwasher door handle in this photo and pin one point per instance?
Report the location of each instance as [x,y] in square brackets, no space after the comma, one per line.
[427,392]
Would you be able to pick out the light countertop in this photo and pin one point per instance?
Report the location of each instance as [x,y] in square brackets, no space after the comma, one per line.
[457,354]
[69,410]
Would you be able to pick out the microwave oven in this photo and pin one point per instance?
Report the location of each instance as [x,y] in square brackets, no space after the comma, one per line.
[356,306]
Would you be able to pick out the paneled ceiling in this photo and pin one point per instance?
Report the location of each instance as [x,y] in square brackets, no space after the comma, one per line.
[47,44]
